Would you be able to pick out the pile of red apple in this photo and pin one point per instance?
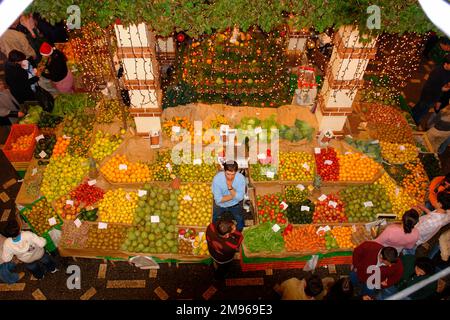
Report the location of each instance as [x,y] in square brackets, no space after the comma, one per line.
[326,212]
[87,194]
[67,208]
[327,164]
[270,208]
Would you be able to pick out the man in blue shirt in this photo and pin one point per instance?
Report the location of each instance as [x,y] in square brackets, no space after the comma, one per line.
[228,188]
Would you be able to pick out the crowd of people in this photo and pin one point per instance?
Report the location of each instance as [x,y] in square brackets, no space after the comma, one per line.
[34,70]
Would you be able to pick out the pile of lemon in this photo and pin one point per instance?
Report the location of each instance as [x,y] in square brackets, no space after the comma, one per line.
[399,198]
[119,170]
[200,245]
[104,145]
[195,204]
[343,236]
[395,153]
[118,206]
[296,166]
[357,167]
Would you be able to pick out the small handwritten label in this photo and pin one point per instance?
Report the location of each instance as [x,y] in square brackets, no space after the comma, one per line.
[328,162]
[142,193]
[276,228]
[92,182]
[102,225]
[39,137]
[154,219]
[368,204]
[52,221]
[123,167]
[322,197]
[332,204]
[305,208]
[300,187]
[317,150]
[77,223]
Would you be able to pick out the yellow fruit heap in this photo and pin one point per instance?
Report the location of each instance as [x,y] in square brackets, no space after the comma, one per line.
[343,236]
[198,210]
[133,172]
[296,166]
[398,153]
[118,206]
[200,245]
[416,182]
[357,167]
[181,122]
[399,198]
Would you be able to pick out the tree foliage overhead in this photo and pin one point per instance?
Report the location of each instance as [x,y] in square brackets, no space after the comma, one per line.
[196,17]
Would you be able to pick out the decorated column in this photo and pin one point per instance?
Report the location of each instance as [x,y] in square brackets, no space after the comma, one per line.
[344,75]
[137,53]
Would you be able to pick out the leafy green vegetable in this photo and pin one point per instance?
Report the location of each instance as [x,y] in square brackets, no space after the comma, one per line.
[262,238]
[67,103]
[33,115]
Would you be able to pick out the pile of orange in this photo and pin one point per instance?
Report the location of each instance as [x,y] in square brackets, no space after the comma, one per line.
[357,167]
[60,146]
[304,239]
[343,236]
[134,173]
[22,143]
[416,182]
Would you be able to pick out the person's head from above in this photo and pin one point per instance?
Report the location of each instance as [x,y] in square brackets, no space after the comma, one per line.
[12,229]
[46,49]
[225,225]
[446,181]
[388,256]
[314,286]
[443,200]
[409,220]
[18,57]
[341,290]
[447,62]
[230,168]
[423,266]
[444,42]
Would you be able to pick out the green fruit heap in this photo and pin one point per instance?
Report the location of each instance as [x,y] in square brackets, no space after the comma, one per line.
[88,215]
[300,212]
[104,145]
[163,169]
[363,203]
[149,236]
[261,172]
[39,215]
[78,126]
[62,175]
[294,194]
[296,166]
[46,145]
[110,238]
[48,120]
[330,241]
[108,110]
[197,173]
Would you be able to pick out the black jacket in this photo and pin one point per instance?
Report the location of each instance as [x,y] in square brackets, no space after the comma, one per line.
[18,82]
[56,67]
[432,89]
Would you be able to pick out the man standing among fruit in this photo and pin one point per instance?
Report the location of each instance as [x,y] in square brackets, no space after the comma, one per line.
[228,187]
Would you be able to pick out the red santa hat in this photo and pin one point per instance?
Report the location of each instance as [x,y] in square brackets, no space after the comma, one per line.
[46,49]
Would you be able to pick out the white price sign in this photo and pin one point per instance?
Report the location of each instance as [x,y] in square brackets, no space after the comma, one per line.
[77,223]
[375,142]
[142,193]
[276,228]
[270,174]
[92,182]
[169,166]
[306,166]
[154,219]
[197,162]
[305,208]
[102,225]
[368,204]
[66,137]
[42,154]
[187,197]
[328,162]
[402,148]
[258,130]
[300,187]
[261,156]
[34,171]
[322,197]
[332,204]
[176,129]
[317,150]
[69,202]
[39,137]
[284,205]
[123,167]
[52,221]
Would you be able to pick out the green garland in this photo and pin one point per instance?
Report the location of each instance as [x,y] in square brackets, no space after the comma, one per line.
[197,17]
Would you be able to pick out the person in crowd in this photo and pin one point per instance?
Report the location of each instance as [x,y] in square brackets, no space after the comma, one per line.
[430,223]
[16,40]
[440,50]
[341,290]
[439,133]
[366,257]
[9,107]
[223,242]
[55,68]
[17,77]
[401,236]
[27,26]
[438,184]
[433,89]
[7,273]
[28,248]
[415,271]
[311,288]
[54,33]
[228,188]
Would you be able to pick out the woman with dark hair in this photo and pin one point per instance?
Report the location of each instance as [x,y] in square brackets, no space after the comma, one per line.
[17,79]
[401,236]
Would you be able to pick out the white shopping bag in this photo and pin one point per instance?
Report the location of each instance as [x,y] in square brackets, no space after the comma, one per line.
[311,264]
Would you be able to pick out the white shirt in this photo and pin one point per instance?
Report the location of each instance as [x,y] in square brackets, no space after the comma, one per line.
[28,249]
[430,224]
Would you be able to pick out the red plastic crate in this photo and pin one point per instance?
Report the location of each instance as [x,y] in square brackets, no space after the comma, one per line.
[18,130]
